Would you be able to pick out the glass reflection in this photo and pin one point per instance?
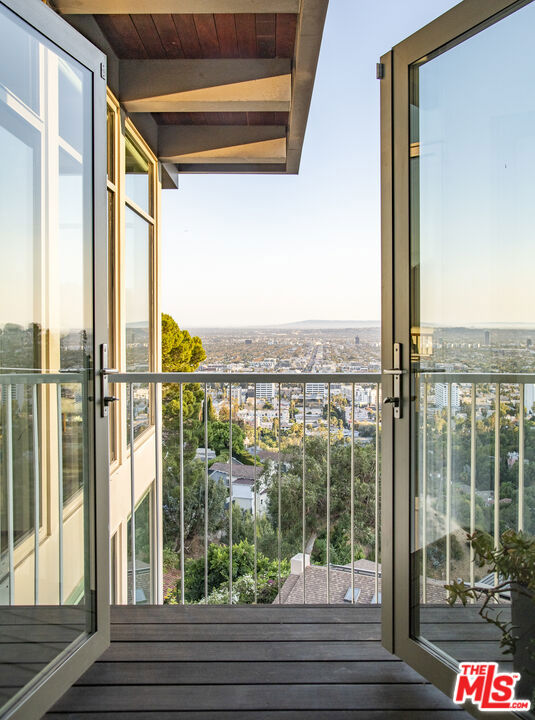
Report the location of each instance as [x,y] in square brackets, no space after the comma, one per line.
[137,176]
[45,327]
[143,547]
[472,148]
[138,325]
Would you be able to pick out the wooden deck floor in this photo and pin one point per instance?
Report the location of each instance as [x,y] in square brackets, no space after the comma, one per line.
[266,663]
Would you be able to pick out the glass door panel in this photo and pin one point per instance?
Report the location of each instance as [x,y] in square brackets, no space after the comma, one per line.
[47,419]
[472,327]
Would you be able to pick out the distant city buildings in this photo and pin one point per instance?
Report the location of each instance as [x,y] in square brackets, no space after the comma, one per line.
[441,395]
[265,391]
[316,391]
[529,397]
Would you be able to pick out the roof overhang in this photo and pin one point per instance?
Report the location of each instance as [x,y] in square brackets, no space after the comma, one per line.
[218,86]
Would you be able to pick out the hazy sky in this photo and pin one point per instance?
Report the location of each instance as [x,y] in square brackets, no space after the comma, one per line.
[253,250]
[477,153]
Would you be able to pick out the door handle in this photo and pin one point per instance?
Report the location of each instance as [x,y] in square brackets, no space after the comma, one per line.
[104,372]
[396,372]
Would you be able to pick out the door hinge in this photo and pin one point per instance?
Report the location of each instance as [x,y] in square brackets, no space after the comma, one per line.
[379,71]
[103,70]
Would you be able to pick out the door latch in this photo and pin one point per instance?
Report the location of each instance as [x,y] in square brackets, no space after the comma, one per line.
[104,372]
[396,373]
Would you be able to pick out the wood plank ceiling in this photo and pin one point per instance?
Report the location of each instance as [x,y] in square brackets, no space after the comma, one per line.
[204,36]
[225,91]
[208,37]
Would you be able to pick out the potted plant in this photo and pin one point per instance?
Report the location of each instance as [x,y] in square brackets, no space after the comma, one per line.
[513,563]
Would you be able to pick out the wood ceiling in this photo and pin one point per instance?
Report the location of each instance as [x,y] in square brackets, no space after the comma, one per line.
[199,77]
[208,36]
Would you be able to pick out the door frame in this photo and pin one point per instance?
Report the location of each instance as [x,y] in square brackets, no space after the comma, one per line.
[52,682]
[455,26]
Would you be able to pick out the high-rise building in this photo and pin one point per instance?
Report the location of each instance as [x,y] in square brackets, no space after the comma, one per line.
[441,395]
[316,391]
[265,391]
[529,397]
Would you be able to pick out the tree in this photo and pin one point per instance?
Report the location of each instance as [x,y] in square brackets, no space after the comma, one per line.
[180,353]
[243,564]
[219,440]
[316,494]
[194,502]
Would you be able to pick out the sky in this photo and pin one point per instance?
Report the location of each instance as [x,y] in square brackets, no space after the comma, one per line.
[256,250]
[477,153]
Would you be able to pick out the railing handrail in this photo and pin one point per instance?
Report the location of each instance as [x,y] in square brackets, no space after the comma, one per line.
[477,377]
[43,378]
[298,378]
[245,377]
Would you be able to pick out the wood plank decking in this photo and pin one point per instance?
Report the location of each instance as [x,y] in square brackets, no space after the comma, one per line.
[270,663]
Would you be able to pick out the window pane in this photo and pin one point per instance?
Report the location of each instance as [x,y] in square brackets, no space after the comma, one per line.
[143,540]
[138,325]
[137,176]
[19,61]
[72,322]
[71,124]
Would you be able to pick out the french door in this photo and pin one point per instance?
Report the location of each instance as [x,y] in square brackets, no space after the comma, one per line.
[54,612]
[458,189]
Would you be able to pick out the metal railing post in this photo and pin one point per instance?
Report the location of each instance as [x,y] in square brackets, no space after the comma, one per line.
[182,542]
[352,494]
[36,493]
[328,557]
[255,493]
[497,472]
[521,456]
[230,508]
[157,495]
[448,487]
[132,496]
[424,494]
[377,494]
[10,499]
[473,470]
[303,519]
[279,512]
[205,492]
[60,492]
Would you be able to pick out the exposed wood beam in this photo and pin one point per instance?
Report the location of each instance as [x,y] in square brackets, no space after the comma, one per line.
[308,43]
[205,85]
[222,144]
[168,176]
[107,7]
[232,169]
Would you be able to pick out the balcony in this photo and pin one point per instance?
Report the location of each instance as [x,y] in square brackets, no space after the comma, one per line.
[312,646]
[242,662]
